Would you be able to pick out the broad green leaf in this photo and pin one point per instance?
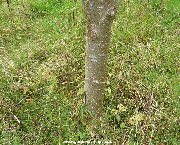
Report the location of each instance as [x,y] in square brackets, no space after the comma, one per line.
[136,118]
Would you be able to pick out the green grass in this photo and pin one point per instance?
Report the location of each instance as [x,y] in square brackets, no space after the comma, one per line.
[42,47]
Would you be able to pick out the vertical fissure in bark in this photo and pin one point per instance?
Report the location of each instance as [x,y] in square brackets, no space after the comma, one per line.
[99,17]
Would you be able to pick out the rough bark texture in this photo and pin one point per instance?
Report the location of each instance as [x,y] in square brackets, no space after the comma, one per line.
[99,17]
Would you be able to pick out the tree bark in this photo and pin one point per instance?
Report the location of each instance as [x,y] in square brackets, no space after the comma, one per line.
[99,17]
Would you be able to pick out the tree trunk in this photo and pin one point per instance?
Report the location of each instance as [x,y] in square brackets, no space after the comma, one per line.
[99,17]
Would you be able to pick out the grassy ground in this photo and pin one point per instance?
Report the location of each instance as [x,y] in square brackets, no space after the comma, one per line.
[42,72]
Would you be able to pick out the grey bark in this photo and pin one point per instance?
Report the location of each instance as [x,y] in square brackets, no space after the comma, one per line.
[99,17]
